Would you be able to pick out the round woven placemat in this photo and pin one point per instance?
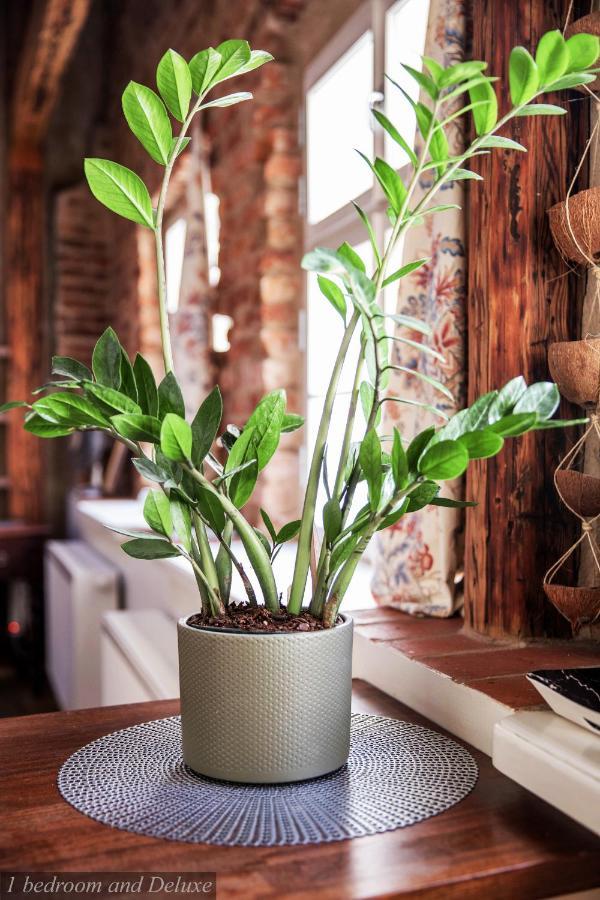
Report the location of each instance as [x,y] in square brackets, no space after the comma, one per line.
[397,774]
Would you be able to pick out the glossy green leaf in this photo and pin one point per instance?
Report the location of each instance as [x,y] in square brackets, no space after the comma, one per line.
[42,428]
[405,270]
[332,519]
[203,67]
[465,175]
[541,398]
[150,470]
[399,462]
[265,422]
[366,393]
[211,509]
[438,142]
[583,50]
[461,71]
[243,451]
[395,135]
[321,259]
[149,548]
[205,425]
[369,458]
[391,183]
[417,446]
[506,398]
[552,57]
[228,100]
[435,69]
[13,404]
[148,119]
[453,504]
[411,323]
[422,496]
[182,522]
[514,424]
[351,258]
[115,400]
[288,532]
[136,427]
[268,524]
[444,461]
[128,385]
[424,81]
[334,294]
[70,409]
[542,109]
[523,76]
[571,80]
[291,422]
[235,55]
[120,189]
[485,115]
[257,58]
[372,237]
[181,142]
[71,368]
[157,512]
[175,84]
[176,438]
[547,424]
[146,386]
[170,398]
[482,444]
[106,360]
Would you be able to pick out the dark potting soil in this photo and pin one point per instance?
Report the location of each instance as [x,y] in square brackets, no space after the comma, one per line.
[243,617]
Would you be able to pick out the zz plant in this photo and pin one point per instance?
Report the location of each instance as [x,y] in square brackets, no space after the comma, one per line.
[198,493]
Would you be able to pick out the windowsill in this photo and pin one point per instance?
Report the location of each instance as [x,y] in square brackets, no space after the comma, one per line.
[477,690]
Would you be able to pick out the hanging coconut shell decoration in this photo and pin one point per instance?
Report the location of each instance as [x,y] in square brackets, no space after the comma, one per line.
[580,491]
[589,24]
[575,226]
[579,605]
[575,367]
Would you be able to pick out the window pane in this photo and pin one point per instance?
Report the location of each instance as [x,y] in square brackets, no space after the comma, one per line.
[337,124]
[405,30]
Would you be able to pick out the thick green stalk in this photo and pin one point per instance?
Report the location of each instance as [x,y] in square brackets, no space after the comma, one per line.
[302,563]
[258,556]
[207,562]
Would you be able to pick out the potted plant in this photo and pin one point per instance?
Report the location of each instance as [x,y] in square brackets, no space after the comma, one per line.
[265,685]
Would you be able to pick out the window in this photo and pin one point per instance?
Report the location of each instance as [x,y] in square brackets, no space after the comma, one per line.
[341,85]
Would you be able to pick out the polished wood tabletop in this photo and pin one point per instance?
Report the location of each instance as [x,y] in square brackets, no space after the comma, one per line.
[500,843]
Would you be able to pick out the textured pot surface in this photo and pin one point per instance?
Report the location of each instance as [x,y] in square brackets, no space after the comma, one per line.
[575,367]
[265,708]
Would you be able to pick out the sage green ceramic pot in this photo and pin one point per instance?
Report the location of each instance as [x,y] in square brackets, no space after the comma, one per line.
[265,708]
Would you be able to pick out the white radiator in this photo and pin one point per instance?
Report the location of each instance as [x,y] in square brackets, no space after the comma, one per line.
[80,586]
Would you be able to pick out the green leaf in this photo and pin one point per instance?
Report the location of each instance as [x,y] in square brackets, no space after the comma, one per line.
[571,80]
[504,143]
[41,428]
[506,398]
[243,451]
[395,515]
[322,259]
[148,119]
[334,294]
[523,76]
[136,427]
[291,422]
[128,385]
[149,548]
[369,458]
[157,512]
[332,519]
[175,84]
[444,461]
[552,57]
[289,531]
[264,540]
[269,525]
[182,522]
[541,398]
[13,404]
[228,100]
[482,444]
[372,238]
[119,189]
[106,360]
[211,509]
[541,109]
[113,399]
[257,58]
[367,398]
[436,70]
[453,504]
[411,323]
[148,469]
[465,175]
[423,80]
[514,424]
[71,368]
[405,270]
[203,67]
[170,398]
[146,386]
[390,181]
[399,462]
[583,50]
[422,496]
[395,135]
[265,422]
[417,446]
[559,423]
[438,144]
[182,142]
[486,115]
[205,425]
[176,438]
[461,71]
[70,409]
[348,255]
[235,55]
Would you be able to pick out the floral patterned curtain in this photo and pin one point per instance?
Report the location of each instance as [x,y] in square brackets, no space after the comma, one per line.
[417,562]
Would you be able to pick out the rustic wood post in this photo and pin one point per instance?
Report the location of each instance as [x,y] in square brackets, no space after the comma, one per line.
[53,28]
[520,300]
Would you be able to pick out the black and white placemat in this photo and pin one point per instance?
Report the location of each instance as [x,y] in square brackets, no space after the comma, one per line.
[397,774]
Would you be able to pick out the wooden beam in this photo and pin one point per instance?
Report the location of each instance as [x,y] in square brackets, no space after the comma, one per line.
[520,300]
[52,31]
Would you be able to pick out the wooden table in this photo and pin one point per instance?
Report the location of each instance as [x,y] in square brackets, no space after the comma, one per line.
[500,842]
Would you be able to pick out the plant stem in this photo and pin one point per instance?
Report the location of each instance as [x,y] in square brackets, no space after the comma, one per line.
[258,556]
[208,564]
[302,563]
[233,560]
